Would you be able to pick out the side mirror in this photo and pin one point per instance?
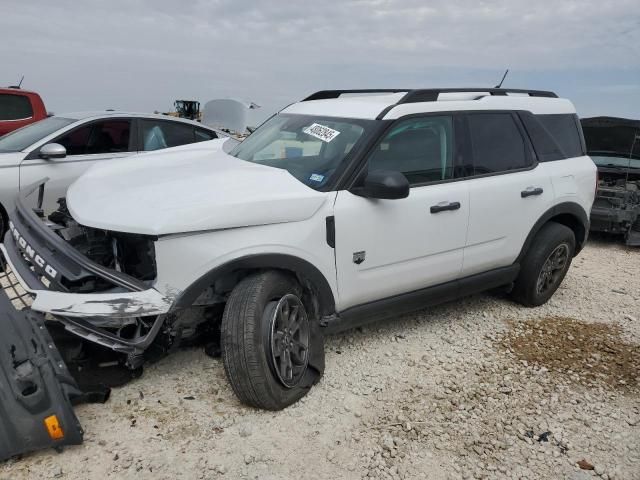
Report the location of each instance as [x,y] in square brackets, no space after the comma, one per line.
[386,185]
[52,150]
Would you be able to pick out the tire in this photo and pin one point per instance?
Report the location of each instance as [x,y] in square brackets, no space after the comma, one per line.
[545,265]
[255,345]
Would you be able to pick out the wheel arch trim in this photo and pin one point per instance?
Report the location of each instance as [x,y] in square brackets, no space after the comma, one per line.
[303,269]
[570,209]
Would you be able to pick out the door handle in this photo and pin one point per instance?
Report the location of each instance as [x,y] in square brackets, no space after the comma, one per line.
[441,207]
[531,191]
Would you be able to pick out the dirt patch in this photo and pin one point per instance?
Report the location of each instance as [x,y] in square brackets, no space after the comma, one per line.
[591,354]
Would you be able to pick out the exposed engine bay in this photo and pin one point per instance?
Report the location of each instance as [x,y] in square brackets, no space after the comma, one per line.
[127,253]
[616,208]
[139,337]
[614,145]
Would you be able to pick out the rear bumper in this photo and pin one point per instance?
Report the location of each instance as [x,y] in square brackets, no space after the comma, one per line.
[35,386]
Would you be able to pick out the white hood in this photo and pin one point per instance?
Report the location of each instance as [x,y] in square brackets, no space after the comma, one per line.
[187,190]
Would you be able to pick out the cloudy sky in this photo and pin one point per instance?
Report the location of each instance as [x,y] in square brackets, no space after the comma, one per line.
[141,55]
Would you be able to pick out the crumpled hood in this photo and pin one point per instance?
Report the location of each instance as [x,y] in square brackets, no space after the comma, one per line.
[187,190]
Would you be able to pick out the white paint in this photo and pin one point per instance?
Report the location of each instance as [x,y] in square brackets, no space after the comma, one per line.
[176,191]
[407,247]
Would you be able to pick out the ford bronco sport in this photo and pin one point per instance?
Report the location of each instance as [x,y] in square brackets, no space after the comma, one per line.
[344,208]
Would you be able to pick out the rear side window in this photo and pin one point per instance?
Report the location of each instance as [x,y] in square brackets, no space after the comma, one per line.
[15,107]
[157,135]
[497,143]
[564,129]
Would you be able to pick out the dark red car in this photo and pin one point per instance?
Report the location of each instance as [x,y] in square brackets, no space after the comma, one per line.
[19,108]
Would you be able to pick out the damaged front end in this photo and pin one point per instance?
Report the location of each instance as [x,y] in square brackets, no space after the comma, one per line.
[614,146]
[94,282]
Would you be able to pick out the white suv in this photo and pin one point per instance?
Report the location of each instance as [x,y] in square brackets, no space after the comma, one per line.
[344,208]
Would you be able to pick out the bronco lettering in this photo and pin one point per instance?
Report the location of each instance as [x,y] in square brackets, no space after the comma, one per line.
[31,253]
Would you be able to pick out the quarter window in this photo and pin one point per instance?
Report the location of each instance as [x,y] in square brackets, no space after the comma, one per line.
[15,107]
[564,129]
[161,134]
[497,143]
[204,135]
[420,148]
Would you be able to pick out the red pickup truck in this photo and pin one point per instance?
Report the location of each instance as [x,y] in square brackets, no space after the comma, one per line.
[19,108]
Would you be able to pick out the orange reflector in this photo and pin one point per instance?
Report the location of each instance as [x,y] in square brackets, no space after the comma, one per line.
[53,427]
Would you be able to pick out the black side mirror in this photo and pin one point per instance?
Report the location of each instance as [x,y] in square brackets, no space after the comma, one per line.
[385,185]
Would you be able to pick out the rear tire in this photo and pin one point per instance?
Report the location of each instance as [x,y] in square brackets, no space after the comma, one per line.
[545,265]
[272,349]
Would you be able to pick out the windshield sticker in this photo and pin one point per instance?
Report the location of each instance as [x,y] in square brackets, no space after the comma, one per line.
[316,177]
[325,134]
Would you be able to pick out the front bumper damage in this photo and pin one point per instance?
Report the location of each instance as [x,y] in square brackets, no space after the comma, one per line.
[36,388]
[125,316]
[43,370]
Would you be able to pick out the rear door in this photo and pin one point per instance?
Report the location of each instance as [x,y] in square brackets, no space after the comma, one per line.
[86,145]
[508,190]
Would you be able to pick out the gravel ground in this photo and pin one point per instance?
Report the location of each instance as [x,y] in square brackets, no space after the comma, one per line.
[478,388]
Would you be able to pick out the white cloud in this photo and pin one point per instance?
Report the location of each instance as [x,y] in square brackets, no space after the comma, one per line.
[142,54]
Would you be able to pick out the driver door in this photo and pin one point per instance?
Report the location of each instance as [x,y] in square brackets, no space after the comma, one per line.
[86,145]
[390,247]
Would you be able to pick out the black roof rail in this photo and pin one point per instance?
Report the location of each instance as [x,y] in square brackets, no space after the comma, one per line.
[427,94]
[431,94]
[326,94]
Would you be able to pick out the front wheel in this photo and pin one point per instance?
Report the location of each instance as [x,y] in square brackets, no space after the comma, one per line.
[545,265]
[272,349]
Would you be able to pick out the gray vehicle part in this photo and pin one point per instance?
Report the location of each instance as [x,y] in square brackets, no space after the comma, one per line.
[35,385]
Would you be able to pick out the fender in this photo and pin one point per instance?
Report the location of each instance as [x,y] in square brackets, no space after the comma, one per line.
[566,208]
[304,270]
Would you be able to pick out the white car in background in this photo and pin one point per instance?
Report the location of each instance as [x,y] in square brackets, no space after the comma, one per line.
[63,147]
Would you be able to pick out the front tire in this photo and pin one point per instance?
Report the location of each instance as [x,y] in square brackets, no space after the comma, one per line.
[272,349]
[545,265]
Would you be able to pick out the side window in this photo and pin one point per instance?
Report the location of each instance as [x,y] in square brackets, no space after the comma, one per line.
[162,134]
[204,135]
[110,136]
[420,148]
[15,107]
[564,129]
[497,143]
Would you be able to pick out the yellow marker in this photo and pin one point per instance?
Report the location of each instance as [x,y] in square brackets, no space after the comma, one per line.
[53,427]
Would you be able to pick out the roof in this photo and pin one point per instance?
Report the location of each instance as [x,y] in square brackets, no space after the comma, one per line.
[392,104]
[92,114]
[18,91]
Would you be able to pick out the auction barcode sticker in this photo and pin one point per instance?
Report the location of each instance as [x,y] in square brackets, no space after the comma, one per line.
[325,134]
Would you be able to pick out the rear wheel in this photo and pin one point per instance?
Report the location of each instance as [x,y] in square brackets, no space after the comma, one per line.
[271,347]
[545,265]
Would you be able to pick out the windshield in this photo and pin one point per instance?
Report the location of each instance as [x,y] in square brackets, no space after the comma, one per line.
[614,162]
[24,137]
[310,148]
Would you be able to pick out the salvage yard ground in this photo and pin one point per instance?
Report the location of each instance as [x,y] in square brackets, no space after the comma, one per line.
[479,388]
